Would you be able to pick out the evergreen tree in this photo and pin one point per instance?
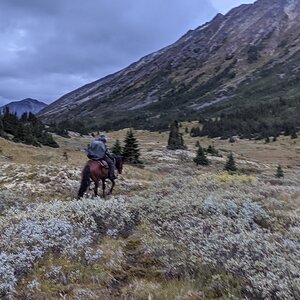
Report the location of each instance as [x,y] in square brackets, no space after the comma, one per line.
[175,138]
[46,139]
[116,148]
[195,131]
[230,164]
[294,134]
[201,159]
[24,118]
[279,172]
[65,156]
[212,150]
[231,139]
[28,129]
[1,127]
[131,151]
[10,121]
[197,144]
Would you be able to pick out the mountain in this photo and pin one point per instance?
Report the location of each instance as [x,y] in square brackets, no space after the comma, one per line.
[246,58]
[25,105]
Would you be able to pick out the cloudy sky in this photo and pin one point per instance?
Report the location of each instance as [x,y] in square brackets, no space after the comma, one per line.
[50,47]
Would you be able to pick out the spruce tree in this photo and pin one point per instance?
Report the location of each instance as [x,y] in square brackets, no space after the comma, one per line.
[230,164]
[279,172]
[1,127]
[212,150]
[175,140]
[294,135]
[116,148]
[195,131]
[131,151]
[65,156]
[24,117]
[201,159]
[231,140]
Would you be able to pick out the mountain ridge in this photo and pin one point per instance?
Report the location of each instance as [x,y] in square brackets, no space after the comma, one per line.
[205,67]
[25,105]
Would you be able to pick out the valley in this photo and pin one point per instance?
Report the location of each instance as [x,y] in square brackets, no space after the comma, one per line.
[171,229]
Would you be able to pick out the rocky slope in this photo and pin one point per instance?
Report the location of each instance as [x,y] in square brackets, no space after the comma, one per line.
[25,105]
[219,62]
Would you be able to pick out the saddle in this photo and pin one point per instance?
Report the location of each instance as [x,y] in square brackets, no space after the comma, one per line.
[103,163]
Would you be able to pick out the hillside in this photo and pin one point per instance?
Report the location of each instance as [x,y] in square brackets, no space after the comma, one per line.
[25,105]
[247,57]
[171,230]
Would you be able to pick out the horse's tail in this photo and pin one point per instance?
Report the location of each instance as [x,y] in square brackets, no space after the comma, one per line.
[85,181]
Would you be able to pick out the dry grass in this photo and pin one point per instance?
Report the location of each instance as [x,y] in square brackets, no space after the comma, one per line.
[44,174]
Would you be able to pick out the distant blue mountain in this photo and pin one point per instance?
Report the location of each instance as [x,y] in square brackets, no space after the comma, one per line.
[25,105]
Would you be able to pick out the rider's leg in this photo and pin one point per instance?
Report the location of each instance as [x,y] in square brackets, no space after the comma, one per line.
[111,167]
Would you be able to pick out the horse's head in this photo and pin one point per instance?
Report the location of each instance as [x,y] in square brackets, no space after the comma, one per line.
[119,163]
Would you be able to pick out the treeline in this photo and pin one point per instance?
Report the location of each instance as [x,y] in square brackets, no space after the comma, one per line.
[260,122]
[62,128]
[27,129]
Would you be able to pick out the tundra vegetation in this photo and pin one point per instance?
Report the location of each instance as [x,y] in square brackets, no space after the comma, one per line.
[172,230]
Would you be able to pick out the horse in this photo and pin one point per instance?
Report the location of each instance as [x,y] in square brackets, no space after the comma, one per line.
[95,170]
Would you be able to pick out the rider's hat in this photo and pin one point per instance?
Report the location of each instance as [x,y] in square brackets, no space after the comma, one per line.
[102,138]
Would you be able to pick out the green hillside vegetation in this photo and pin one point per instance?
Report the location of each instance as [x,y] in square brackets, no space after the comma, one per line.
[27,129]
[265,104]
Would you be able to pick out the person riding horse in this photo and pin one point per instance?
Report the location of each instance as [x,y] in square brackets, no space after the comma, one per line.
[98,150]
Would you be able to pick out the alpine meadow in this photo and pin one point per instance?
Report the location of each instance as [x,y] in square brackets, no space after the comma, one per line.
[177,177]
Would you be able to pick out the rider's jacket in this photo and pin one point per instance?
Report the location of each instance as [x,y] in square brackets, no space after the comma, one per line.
[97,150]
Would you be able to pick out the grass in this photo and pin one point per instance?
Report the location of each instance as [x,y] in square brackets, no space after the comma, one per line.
[155,260]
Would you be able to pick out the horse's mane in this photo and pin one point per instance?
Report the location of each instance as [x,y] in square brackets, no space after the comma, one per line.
[118,158]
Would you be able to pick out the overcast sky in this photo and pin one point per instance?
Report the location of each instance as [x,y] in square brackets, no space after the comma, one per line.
[50,47]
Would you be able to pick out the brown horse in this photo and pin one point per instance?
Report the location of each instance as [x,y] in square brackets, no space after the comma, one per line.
[95,171]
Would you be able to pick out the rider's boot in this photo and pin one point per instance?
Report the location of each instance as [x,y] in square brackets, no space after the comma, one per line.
[112,173]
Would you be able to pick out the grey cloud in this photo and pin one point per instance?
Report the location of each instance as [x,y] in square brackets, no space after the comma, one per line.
[49,48]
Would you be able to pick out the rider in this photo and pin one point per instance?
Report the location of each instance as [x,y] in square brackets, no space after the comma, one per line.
[98,150]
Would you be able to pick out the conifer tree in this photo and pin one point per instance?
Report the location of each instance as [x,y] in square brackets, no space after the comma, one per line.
[230,164]
[131,151]
[212,150]
[231,140]
[24,118]
[175,140]
[65,156]
[201,159]
[1,127]
[116,148]
[294,135]
[195,131]
[279,172]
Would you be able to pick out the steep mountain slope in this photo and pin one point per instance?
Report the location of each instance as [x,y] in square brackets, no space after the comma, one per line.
[25,105]
[219,63]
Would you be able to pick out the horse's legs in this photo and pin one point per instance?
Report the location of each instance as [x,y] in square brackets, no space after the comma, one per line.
[112,186]
[96,188]
[103,187]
